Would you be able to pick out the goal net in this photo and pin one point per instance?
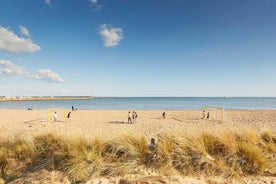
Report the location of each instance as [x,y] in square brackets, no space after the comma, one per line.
[60,114]
[215,113]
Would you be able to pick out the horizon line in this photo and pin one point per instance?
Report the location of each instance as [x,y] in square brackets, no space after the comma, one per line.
[96,96]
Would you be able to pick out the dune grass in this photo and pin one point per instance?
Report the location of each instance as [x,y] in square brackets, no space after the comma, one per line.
[227,154]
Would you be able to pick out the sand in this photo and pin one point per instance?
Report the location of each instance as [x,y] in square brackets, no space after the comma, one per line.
[110,124]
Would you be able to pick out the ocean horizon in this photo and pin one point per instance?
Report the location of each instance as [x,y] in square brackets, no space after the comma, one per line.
[149,103]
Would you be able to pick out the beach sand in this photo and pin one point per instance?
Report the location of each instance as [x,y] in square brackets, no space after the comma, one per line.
[110,124]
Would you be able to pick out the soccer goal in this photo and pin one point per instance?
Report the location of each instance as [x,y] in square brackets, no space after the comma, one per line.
[215,113]
[61,114]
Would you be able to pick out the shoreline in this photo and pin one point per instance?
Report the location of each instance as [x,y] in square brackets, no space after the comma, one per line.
[91,103]
[133,109]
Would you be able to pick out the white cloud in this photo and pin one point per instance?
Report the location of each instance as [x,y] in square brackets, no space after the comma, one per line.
[48,2]
[9,68]
[111,36]
[6,63]
[13,43]
[97,7]
[24,31]
[48,75]
[93,1]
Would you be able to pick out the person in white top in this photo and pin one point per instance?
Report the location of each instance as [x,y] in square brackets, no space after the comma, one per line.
[55,116]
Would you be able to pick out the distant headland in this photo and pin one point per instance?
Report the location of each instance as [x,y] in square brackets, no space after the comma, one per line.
[33,98]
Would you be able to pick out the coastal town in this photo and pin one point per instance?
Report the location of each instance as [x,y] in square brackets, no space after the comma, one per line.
[29,98]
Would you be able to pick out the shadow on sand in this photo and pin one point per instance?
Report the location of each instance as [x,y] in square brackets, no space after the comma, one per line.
[155,118]
[35,120]
[118,122]
[177,119]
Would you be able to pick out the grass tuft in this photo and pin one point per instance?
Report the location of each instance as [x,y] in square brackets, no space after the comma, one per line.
[252,159]
[227,154]
[50,152]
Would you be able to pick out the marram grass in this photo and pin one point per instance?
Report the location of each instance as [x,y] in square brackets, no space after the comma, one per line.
[227,154]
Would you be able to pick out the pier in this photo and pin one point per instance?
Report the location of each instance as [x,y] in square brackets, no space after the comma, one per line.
[38,98]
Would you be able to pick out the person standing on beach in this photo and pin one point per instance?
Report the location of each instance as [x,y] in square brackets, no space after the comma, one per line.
[164,115]
[68,116]
[129,118]
[208,115]
[203,114]
[134,116]
[55,116]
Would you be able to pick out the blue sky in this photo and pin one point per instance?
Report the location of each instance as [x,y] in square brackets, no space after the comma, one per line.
[138,48]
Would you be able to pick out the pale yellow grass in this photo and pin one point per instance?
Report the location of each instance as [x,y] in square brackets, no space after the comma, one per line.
[112,124]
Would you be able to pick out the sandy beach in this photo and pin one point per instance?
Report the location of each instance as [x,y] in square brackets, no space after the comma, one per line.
[110,124]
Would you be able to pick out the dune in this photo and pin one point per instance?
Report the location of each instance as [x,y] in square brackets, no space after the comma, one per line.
[112,124]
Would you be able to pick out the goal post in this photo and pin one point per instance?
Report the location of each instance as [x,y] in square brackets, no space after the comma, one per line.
[60,110]
[220,115]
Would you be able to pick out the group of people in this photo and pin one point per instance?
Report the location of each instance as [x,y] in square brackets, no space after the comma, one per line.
[74,108]
[132,117]
[204,114]
[55,116]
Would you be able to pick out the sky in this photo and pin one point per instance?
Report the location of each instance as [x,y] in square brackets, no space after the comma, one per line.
[138,47]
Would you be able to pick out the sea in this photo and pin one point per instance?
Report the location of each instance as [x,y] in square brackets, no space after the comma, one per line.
[148,103]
